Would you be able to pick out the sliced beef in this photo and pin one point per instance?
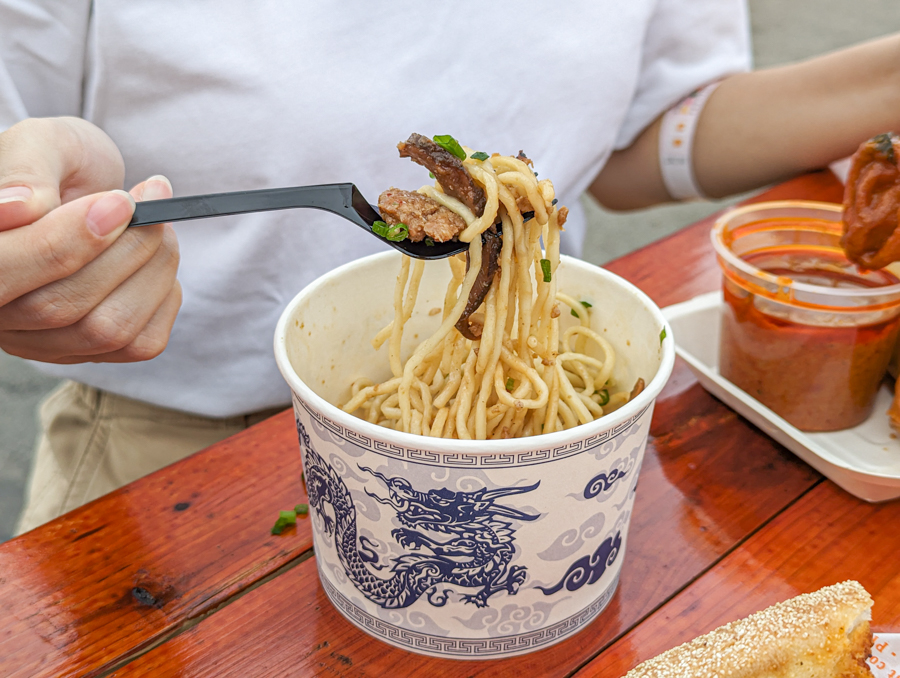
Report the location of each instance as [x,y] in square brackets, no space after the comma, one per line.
[523,204]
[636,391]
[491,244]
[422,215]
[447,169]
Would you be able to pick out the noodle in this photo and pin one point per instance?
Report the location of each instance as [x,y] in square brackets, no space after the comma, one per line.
[519,377]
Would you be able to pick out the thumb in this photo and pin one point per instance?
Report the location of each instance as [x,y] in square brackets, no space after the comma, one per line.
[45,162]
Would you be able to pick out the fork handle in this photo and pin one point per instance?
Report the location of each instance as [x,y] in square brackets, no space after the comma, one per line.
[337,198]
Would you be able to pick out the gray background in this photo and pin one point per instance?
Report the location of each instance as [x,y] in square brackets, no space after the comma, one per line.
[783,31]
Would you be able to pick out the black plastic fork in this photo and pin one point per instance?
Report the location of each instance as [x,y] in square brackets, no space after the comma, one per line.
[345,200]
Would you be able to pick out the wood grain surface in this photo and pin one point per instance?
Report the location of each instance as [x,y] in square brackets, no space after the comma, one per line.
[826,537]
[89,589]
[708,481]
[177,575]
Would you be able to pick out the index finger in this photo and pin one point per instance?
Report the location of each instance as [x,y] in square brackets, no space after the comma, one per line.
[61,243]
[45,162]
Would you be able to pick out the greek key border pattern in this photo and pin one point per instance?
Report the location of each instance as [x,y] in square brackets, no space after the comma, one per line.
[466,648]
[467,460]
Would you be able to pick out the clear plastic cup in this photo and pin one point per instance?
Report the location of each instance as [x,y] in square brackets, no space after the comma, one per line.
[803,330]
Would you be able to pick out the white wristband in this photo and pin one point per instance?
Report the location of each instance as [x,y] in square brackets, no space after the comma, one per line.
[676,141]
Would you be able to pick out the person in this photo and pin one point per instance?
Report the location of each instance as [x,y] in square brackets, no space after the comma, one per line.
[164,334]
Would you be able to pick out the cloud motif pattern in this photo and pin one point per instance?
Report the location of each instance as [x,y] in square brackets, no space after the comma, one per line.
[510,619]
[588,569]
[571,540]
[603,482]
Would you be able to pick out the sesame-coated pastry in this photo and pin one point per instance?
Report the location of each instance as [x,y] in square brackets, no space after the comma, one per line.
[824,634]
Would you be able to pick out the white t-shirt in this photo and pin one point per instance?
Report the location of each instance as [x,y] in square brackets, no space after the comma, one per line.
[231,95]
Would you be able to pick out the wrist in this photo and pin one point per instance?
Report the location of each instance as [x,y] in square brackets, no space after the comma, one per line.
[676,143]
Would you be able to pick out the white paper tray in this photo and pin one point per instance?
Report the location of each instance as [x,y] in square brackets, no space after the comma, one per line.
[864,460]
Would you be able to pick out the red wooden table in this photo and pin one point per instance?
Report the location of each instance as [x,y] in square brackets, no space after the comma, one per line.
[177,574]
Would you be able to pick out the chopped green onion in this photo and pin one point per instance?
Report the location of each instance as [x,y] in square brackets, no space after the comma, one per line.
[604,396]
[450,145]
[431,174]
[510,383]
[545,269]
[397,233]
[301,509]
[662,335]
[586,304]
[429,242]
[285,518]
[479,155]
[394,233]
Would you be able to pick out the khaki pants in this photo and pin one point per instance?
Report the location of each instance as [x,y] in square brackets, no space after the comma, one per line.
[92,442]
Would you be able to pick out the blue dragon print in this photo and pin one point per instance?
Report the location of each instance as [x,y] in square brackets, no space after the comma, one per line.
[476,555]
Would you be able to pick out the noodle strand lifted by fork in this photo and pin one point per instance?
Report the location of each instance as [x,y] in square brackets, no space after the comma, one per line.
[520,377]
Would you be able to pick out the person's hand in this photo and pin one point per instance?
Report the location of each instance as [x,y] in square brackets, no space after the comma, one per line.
[75,285]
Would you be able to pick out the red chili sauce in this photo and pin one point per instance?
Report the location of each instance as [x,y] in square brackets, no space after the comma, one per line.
[817,377]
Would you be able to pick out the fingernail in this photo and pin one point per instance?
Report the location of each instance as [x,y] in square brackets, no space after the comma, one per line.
[157,188]
[15,194]
[110,212]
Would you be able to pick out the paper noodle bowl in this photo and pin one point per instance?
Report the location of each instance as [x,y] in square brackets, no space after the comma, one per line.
[460,548]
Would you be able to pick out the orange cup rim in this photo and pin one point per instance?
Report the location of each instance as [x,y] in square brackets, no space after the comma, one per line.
[726,256]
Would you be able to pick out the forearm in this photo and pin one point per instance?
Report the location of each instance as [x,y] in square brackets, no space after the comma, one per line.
[631,177]
[761,127]
[765,126]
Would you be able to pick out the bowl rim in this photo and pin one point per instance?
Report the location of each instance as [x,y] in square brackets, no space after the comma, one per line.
[476,447]
[725,253]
